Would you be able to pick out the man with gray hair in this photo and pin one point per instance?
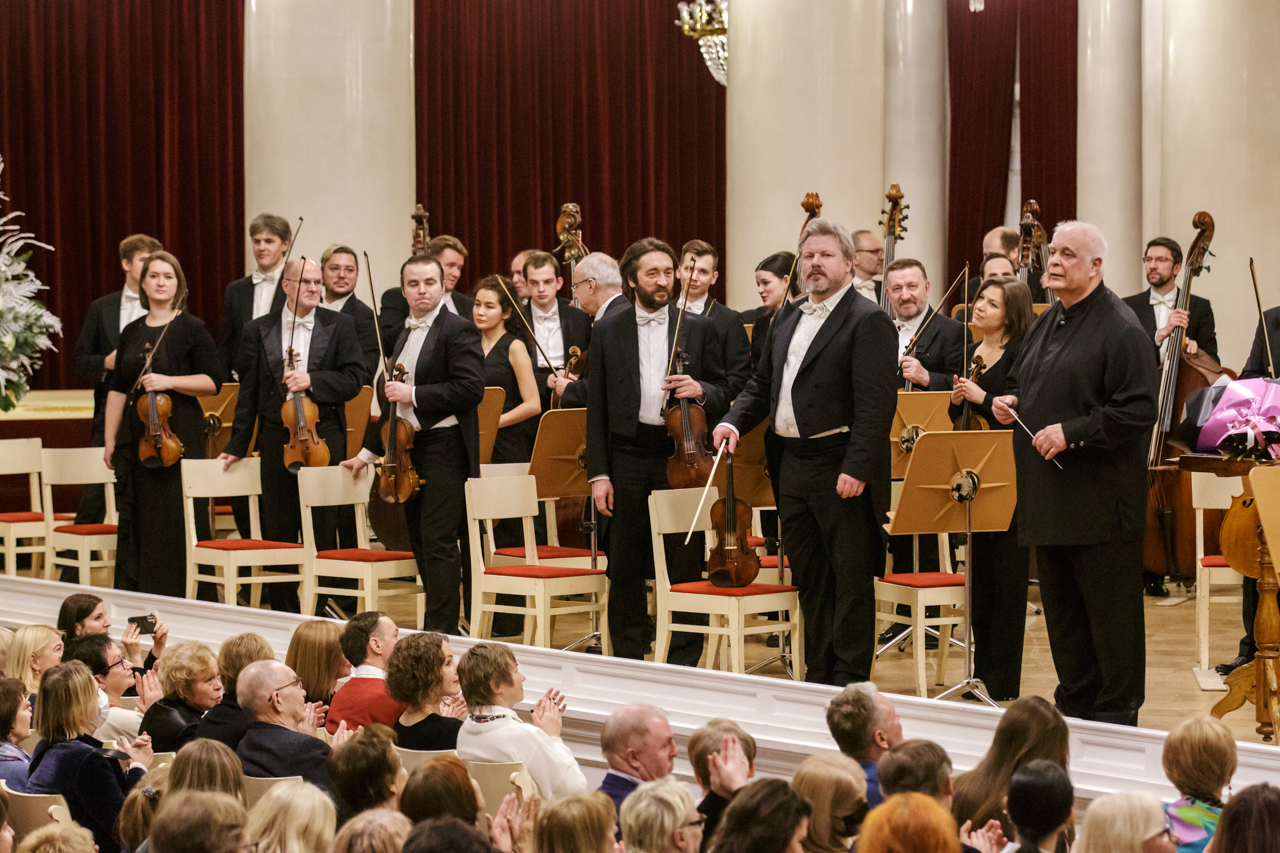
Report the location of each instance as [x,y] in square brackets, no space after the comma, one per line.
[826,383]
[638,744]
[865,725]
[1084,387]
[597,286]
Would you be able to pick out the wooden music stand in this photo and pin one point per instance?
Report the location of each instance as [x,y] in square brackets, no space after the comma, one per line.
[358,410]
[219,412]
[489,413]
[918,412]
[959,482]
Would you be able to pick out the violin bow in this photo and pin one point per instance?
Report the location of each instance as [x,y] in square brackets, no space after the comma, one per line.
[373,301]
[911,344]
[675,340]
[502,282]
[151,354]
[289,354]
[1262,321]
[711,478]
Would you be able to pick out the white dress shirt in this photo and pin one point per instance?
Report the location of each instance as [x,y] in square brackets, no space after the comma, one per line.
[696,306]
[1163,306]
[130,307]
[548,760]
[867,288]
[301,339]
[907,330]
[337,304]
[446,302]
[605,304]
[264,290]
[368,670]
[651,329]
[814,315]
[546,328]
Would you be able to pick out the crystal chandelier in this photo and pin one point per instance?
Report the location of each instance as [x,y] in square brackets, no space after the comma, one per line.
[975,5]
[708,22]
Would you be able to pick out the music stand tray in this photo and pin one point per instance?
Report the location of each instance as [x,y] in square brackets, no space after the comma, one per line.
[918,412]
[489,413]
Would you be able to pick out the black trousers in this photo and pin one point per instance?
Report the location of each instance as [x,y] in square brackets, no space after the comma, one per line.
[635,473]
[835,550]
[436,522]
[1093,611]
[999,611]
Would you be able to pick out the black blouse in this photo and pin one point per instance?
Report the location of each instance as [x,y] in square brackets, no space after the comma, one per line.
[994,380]
[430,734]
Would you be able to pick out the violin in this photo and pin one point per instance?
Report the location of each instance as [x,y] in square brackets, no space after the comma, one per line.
[300,416]
[894,214]
[577,358]
[397,479]
[968,420]
[159,448]
[691,460]
[732,562]
[1033,247]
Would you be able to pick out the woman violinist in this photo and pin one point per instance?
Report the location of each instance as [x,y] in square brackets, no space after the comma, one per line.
[151,541]
[507,365]
[1002,312]
[776,286]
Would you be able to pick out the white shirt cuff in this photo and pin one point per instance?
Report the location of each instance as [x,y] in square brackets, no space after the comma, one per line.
[731,427]
[366,456]
[604,477]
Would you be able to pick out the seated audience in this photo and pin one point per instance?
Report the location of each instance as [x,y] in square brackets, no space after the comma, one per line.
[911,822]
[67,760]
[638,744]
[373,831]
[447,835]
[492,685]
[58,838]
[423,675]
[315,653]
[580,823]
[659,817]
[111,671]
[1039,804]
[206,765]
[1132,822]
[923,767]
[293,817]
[864,724]
[83,614]
[15,727]
[764,817]
[706,740]
[281,739]
[199,822]
[728,771]
[6,641]
[226,722]
[366,771]
[189,679]
[35,650]
[1030,728]
[367,641]
[6,831]
[1250,822]
[139,809]
[1199,759]
[441,786]
[836,789]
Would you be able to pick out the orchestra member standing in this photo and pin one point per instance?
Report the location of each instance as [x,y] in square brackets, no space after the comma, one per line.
[597,288]
[254,295]
[556,324]
[776,287]
[826,383]
[507,366]
[1085,382]
[697,273]
[517,276]
[868,262]
[451,255]
[340,270]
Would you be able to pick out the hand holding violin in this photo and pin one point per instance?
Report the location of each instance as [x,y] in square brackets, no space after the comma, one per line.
[399,392]
[912,369]
[297,381]
[965,390]
[684,386]
[156,382]
[721,434]
[355,465]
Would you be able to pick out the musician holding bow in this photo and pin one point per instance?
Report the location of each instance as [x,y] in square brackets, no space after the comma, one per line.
[556,324]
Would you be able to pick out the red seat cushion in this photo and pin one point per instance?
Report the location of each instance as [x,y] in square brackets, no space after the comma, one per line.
[756,541]
[25,517]
[86,529]
[925,580]
[222,510]
[546,552]
[539,572]
[771,562]
[244,545]
[708,588]
[364,555]
[1215,561]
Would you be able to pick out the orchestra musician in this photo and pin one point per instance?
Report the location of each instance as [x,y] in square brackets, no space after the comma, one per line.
[826,384]
[443,385]
[776,286]
[393,314]
[257,294]
[331,370]
[1005,241]
[697,273]
[1085,383]
[868,262]
[597,286]
[340,271]
[517,276]
[628,444]
[507,365]
[557,326]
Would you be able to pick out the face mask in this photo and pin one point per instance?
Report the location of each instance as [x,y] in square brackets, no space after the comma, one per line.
[104,707]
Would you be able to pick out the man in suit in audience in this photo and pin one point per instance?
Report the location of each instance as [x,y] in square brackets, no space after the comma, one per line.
[281,740]
[340,271]
[556,325]
[257,294]
[367,641]
[451,254]
[638,744]
[698,262]
[597,285]
[868,262]
[94,357]
[864,724]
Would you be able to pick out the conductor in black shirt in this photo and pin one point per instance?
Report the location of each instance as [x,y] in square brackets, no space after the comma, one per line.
[1086,383]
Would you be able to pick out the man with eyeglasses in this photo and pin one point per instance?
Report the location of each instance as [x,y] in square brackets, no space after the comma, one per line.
[868,262]
[597,288]
[1157,307]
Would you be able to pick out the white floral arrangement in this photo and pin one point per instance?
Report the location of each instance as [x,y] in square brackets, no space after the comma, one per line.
[26,327]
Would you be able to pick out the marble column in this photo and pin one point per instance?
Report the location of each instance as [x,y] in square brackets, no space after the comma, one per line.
[805,114]
[329,125]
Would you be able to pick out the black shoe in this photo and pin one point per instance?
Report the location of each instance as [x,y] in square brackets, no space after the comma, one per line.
[1156,587]
[930,642]
[1225,669]
[890,633]
[771,642]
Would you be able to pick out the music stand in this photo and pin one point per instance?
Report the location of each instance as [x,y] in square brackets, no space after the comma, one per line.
[960,482]
[489,413]
[219,413]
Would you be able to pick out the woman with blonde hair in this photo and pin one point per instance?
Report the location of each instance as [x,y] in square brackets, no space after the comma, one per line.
[1132,822]
[57,838]
[660,816]
[1199,758]
[225,721]
[191,684]
[909,822]
[293,817]
[581,823]
[207,765]
[836,787]
[315,654]
[373,831]
[35,650]
[198,822]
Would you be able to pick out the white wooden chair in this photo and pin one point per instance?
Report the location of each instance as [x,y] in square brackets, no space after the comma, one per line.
[204,478]
[499,778]
[547,583]
[1209,491]
[733,612]
[256,788]
[79,466]
[24,532]
[29,812]
[919,591]
[411,758]
[375,569]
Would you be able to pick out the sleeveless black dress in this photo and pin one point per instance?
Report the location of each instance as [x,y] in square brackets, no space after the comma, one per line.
[512,443]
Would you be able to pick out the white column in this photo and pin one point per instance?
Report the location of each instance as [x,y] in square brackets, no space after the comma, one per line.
[805,114]
[915,128]
[1221,132]
[329,125]
[1109,134]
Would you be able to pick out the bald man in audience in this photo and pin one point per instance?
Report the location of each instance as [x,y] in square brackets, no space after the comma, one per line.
[638,744]
[865,726]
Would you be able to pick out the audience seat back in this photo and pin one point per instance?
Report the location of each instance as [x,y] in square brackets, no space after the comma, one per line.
[29,812]
[499,778]
[256,788]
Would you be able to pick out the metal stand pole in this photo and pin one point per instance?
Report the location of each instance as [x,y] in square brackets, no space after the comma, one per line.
[964,492]
[590,528]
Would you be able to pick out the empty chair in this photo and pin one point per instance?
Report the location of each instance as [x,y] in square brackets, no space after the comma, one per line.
[92,547]
[256,788]
[29,812]
[24,532]
[499,778]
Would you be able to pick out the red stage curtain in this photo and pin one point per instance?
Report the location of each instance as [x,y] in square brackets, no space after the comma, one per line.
[523,105]
[1047,83]
[118,118]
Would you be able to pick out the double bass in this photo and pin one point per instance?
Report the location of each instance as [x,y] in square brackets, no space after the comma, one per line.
[893,217]
[812,206]
[569,230]
[1033,247]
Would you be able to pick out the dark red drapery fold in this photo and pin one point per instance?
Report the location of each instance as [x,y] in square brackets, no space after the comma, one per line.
[1047,84]
[117,118]
[523,105]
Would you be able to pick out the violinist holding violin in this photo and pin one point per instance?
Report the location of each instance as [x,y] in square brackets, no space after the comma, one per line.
[151,551]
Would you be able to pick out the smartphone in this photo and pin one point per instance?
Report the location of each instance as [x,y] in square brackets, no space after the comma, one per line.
[146,624]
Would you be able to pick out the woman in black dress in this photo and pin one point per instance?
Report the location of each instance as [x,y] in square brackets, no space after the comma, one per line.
[776,286]
[507,366]
[1002,312]
[151,543]
[423,674]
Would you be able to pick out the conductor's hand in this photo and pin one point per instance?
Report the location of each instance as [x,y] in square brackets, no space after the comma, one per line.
[721,434]
[684,386]
[355,465]
[1003,408]
[399,392]
[1050,441]
[228,460]
[912,369]
[602,494]
[849,487]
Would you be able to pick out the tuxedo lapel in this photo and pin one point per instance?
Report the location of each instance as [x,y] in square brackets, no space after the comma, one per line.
[428,347]
[275,349]
[629,340]
[320,335]
[827,331]
[246,300]
[111,318]
[1146,314]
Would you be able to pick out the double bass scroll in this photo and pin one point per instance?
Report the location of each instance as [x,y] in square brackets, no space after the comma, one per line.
[892,218]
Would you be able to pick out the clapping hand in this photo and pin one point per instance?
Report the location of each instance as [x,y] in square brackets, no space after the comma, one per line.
[728,769]
[549,710]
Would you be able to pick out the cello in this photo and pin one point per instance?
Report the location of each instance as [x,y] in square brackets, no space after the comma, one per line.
[300,415]
[894,214]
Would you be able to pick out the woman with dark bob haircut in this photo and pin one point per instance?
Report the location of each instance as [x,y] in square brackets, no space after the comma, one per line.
[764,817]
[1250,822]
[423,674]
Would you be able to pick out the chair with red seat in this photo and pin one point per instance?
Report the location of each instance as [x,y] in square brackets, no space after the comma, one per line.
[919,591]
[24,532]
[1209,491]
[82,466]
[377,570]
[740,609]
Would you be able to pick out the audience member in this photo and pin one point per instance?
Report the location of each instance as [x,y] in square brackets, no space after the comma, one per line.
[923,767]
[1199,759]
[447,835]
[1030,728]
[706,740]
[281,739]
[909,822]
[189,679]
[293,817]
[1132,822]
[764,817]
[423,675]
[366,771]
[492,685]
[139,809]
[373,831]
[15,727]
[58,838]
[441,786]
[660,817]
[1250,822]
[315,653]
[864,724]
[199,822]
[728,772]
[67,760]
[35,650]
[83,614]
[580,823]
[367,641]
[638,744]
[113,675]
[1039,804]
[836,789]
[6,641]
[226,722]
[206,765]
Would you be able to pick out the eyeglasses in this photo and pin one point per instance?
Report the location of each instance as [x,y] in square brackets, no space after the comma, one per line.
[877,252]
[295,683]
[1148,259]
[123,663]
[574,285]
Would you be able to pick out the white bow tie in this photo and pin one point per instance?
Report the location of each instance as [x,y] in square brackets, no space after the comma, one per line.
[644,319]
[308,322]
[130,296]
[420,325]
[260,277]
[819,308]
[1168,300]
[540,316]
